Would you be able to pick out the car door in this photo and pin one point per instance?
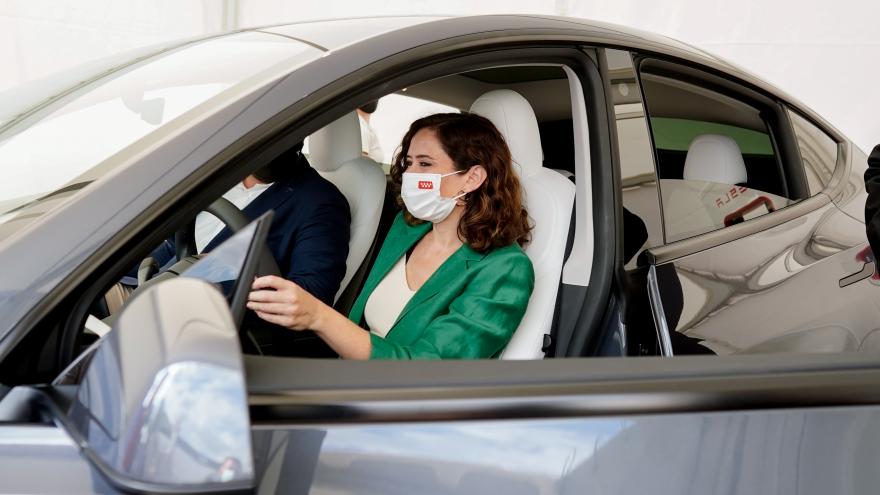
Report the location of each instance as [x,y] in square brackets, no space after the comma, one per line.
[754,260]
[684,425]
[697,424]
[157,405]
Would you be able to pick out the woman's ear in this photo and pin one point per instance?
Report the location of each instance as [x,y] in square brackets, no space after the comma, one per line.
[474,178]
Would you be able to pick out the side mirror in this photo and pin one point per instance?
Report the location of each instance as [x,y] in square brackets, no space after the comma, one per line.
[163,404]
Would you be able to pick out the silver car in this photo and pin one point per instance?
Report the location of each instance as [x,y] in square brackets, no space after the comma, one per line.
[681,206]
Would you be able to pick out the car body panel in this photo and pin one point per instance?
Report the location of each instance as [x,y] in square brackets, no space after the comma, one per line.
[813,451]
[850,194]
[334,34]
[776,290]
[162,404]
[44,459]
[793,284]
[793,280]
[693,424]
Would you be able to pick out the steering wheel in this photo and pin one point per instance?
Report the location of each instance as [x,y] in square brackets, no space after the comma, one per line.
[186,256]
[185,243]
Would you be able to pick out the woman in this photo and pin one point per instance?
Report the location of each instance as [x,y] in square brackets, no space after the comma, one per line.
[451,280]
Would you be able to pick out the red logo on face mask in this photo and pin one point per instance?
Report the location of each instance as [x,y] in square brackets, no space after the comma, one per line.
[426,184]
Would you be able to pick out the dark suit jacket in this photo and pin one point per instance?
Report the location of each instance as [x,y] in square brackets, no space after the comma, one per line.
[309,232]
[872,204]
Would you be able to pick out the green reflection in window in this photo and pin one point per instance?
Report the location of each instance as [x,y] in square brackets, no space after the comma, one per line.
[677,134]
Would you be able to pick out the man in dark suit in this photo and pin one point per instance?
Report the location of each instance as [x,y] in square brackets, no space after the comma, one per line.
[872,204]
[310,227]
[308,239]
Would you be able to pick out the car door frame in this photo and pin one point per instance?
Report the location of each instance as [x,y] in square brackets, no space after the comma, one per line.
[590,300]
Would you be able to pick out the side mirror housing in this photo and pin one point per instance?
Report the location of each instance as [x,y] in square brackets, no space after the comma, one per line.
[163,404]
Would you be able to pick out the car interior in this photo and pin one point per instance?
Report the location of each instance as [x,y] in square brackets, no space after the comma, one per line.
[524,103]
[550,150]
[548,178]
[547,141]
[549,175]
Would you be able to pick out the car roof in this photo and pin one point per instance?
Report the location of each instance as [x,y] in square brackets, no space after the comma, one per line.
[334,35]
[327,35]
[320,33]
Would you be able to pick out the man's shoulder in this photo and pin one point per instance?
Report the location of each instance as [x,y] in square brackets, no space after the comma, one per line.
[310,190]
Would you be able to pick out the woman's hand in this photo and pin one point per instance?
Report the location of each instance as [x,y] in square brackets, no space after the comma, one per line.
[284,303]
[288,305]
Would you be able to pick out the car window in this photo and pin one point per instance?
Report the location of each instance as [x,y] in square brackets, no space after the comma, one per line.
[383,130]
[393,116]
[818,151]
[716,159]
[61,147]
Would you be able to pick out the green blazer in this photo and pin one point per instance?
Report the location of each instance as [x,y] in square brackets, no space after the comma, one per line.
[467,309]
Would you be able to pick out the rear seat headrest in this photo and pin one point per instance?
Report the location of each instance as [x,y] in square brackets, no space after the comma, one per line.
[715,158]
[513,116]
[336,143]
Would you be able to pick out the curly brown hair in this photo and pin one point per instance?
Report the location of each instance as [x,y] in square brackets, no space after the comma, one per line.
[494,215]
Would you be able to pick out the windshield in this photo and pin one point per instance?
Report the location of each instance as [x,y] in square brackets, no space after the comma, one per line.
[49,153]
[16,101]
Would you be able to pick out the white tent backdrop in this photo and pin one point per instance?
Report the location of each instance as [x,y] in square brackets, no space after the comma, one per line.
[822,52]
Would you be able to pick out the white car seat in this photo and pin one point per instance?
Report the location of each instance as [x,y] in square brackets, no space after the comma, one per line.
[715,158]
[548,197]
[713,164]
[335,152]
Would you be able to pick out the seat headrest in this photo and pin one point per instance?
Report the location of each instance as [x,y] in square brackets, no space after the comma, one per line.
[513,116]
[715,158]
[336,143]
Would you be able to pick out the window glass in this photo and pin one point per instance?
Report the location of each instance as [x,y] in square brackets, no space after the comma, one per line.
[716,161]
[818,152]
[392,119]
[642,227]
[382,130]
[61,148]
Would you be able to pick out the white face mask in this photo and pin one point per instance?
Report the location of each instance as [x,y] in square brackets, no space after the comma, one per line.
[421,195]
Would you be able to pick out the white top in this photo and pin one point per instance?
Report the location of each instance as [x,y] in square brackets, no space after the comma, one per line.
[208,226]
[370,142]
[388,300]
